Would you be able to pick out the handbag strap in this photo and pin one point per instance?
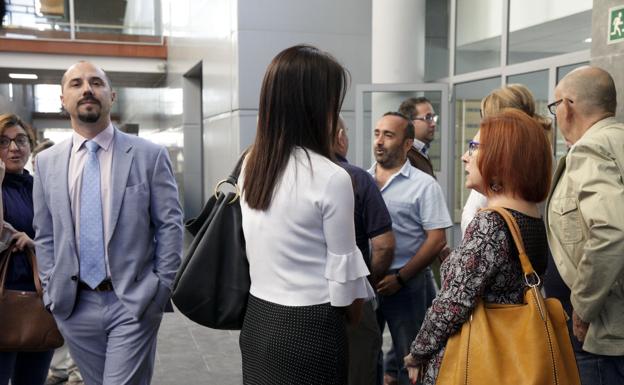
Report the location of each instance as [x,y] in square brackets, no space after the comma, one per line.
[527,267]
[4,267]
[239,164]
[232,179]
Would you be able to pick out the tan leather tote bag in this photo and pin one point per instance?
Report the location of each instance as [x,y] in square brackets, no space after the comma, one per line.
[524,344]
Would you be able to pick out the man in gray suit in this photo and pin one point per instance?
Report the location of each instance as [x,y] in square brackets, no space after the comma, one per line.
[108,235]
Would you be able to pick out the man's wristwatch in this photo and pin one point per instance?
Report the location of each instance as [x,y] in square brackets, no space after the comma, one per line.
[399,278]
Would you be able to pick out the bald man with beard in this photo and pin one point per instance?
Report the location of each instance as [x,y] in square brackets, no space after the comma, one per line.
[585,220]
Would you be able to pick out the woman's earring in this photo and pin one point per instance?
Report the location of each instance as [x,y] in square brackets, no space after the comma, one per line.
[496,187]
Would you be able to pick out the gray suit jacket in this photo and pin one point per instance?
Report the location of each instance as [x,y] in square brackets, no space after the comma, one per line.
[145,242]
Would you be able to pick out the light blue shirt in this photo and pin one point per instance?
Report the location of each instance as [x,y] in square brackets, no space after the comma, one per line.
[416,204]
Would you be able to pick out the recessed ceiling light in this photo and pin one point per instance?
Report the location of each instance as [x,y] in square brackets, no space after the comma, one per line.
[588,40]
[19,36]
[24,76]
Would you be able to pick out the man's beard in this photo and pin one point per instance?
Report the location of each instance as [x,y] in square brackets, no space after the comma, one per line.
[89,117]
[390,159]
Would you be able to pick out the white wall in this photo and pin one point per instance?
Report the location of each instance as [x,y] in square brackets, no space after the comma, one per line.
[482,19]
[202,31]
[266,27]
[236,40]
[139,17]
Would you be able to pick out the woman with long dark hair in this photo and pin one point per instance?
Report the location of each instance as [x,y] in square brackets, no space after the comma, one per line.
[307,275]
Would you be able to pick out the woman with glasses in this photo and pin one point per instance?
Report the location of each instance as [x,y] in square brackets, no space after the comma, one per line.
[306,271]
[509,163]
[16,141]
[510,96]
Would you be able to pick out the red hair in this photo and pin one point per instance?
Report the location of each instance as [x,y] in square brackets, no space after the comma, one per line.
[514,153]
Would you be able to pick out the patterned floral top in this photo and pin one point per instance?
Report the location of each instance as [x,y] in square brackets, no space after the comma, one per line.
[485,265]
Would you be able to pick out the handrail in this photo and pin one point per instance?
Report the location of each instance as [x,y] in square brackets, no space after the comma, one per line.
[49,27]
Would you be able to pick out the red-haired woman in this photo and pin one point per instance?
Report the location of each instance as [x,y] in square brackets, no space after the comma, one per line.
[510,163]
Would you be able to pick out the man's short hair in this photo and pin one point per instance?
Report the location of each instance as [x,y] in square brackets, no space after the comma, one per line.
[409,128]
[408,106]
[106,78]
[43,145]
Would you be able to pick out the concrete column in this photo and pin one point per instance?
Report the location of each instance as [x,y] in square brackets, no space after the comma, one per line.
[604,55]
[398,54]
[398,41]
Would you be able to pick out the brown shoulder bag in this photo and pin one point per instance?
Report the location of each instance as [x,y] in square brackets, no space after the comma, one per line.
[501,344]
[25,325]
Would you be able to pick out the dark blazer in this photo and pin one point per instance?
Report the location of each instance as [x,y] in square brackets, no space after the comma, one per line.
[421,162]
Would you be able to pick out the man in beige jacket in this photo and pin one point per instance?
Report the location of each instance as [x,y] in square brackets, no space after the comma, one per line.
[585,219]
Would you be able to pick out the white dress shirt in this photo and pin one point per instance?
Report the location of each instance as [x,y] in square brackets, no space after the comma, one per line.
[77,160]
[302,250]
[421,147]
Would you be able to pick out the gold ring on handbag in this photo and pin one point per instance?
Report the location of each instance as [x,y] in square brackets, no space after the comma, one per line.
[217,191]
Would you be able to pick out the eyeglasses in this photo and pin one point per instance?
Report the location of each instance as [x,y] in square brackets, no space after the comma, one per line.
[472,147]
[21,140]
[429,118]
[552,107]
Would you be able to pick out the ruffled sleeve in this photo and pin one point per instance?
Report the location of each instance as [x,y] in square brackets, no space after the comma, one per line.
[345,269]
[346,276]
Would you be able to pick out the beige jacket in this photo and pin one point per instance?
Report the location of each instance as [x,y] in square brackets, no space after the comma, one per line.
[585,227]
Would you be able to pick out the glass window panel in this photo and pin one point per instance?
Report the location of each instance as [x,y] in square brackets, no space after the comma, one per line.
[560,147]
[26,3]
[103,20]
[537,83]
[47,98]
[436,40]
[137,21]
[57,135]
[560,26]
[478,35]
[467,119]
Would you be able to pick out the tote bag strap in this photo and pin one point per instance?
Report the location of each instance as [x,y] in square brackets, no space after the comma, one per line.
[194,225]
[35,269]
[4,267]
[527,267]
[5,256]
[232,179]
[239,164]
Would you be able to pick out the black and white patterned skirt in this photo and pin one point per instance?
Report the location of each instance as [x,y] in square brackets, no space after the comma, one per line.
[285,345]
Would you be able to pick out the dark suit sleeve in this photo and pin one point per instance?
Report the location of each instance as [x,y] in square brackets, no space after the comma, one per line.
[42,223]
[376,216]
[166,216]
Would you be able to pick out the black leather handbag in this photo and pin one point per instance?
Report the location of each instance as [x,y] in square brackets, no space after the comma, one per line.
[212,284]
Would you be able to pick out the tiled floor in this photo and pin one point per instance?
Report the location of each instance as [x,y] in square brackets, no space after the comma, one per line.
[190,354]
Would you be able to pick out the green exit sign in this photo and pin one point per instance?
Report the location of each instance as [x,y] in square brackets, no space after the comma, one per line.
[616,25]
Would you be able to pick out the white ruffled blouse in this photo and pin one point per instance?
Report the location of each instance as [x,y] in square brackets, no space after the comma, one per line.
[302,250]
